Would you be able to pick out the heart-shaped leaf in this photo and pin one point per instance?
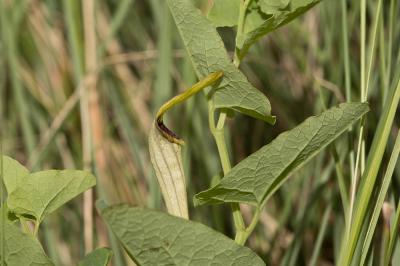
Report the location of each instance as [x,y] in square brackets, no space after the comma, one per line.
[38,194]
[43,192]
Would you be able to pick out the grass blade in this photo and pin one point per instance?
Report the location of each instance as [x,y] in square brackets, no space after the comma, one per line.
[321,234]
[370,174]
[380,199]
[393,237]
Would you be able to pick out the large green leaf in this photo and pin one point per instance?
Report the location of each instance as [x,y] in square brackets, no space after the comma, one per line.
[21,249]
[208,55]
[255,178]
[98,257]
[157,238]
[43,192]
[269,16]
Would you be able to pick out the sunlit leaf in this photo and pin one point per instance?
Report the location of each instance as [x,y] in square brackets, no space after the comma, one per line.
[258,176]
[43,192]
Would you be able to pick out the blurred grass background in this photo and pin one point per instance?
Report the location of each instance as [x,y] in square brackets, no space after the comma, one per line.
[80,82]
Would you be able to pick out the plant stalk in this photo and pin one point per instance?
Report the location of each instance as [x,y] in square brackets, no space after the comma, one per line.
[242,15]
[218,134]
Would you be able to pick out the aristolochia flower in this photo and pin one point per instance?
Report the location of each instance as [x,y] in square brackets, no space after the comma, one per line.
[166,156]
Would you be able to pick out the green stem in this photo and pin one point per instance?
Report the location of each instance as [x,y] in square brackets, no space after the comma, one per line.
[242,15]
[242,233]
[242,236]
[217,130]
[218,133]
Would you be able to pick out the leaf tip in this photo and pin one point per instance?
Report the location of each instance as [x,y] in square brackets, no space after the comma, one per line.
[271,120]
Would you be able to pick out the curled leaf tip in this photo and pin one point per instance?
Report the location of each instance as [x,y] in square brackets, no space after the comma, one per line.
[167,133]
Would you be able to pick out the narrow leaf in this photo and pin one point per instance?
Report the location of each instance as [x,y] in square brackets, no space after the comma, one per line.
[208,55]
[393,238]
[43,192]
[380,199]
[98,257]
[370,173]
[269,16]
[21,249]
[166,158]
[154,238]
[258,176]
